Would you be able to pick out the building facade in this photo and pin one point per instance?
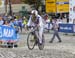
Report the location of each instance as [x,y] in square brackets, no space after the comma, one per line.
[14,1]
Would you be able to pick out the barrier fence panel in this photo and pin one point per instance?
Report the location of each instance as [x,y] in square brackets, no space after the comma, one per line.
[7,34]
[67,28]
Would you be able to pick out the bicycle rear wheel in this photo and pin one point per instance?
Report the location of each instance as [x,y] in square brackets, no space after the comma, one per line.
[31,41]
[41,46]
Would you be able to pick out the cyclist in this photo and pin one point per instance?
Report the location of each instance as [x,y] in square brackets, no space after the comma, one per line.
[37,21]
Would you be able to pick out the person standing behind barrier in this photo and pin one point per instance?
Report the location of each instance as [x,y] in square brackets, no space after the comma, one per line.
[55,29]
[20,23]
[6,23]
[1,21]
[24,22]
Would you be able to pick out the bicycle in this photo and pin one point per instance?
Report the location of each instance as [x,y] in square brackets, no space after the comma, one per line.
[32,40]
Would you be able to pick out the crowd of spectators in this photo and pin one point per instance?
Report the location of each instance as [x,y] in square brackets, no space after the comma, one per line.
[17,22]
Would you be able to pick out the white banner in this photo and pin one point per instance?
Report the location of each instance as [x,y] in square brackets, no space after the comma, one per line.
[2,2]
[71,10]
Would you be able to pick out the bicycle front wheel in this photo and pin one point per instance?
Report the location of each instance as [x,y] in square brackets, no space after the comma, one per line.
[31,41]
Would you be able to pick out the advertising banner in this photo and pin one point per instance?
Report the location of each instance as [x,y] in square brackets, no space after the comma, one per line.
[67,28]
[62,6]
[50,6]
[50,0]
[7,33]
[57,6]
[62,0]
[71,10]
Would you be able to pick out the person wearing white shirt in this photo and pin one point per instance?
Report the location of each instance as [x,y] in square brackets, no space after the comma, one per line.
[1,21]
[36,20]
[55,29]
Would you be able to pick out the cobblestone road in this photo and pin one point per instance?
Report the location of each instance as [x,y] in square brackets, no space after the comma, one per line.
[66,49]
[23,53]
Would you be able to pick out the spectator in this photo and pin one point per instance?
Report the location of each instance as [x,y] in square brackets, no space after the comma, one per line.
[14,25]
[20,23]
[1,21]
[68,18]
[6,23]
[59,20]
[55,28]
[71,21]
[24,22]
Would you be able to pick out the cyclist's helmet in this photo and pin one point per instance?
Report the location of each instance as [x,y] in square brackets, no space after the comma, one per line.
[34,12]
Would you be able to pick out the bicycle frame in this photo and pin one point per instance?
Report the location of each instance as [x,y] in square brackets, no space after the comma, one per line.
[35,33]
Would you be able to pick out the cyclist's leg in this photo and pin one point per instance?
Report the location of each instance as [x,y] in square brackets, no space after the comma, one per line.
[37,34]
[40,34]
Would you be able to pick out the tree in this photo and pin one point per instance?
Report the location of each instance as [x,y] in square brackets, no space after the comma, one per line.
[36,3]
[29,1]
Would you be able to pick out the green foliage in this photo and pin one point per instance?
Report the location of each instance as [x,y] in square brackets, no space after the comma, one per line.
[29,1]
[36,3]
